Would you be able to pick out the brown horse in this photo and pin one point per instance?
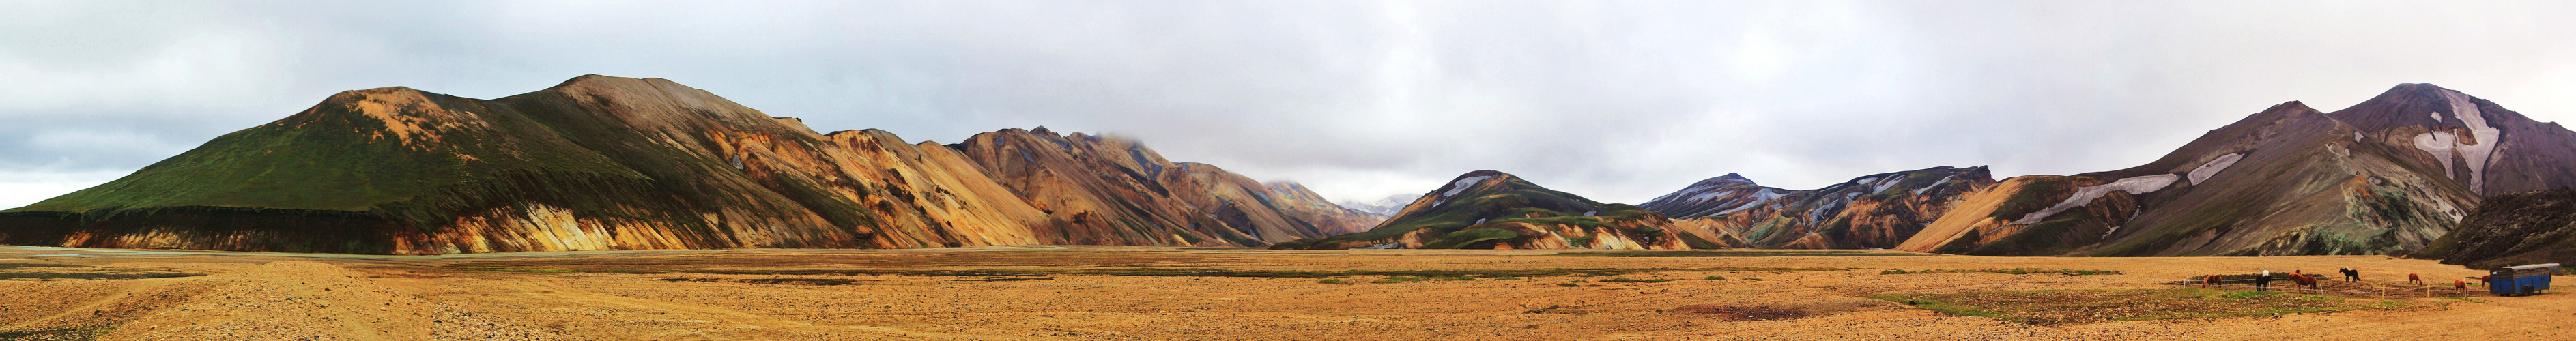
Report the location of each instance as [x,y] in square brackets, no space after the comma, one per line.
[2305,281]
[2413,279]
[2207,281]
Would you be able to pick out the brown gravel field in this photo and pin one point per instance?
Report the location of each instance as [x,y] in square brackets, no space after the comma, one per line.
[1145,293]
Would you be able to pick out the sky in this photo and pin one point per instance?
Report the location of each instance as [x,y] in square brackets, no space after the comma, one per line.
[1619,101]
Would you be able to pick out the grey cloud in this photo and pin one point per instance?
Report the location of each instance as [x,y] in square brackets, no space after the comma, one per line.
[1620,101]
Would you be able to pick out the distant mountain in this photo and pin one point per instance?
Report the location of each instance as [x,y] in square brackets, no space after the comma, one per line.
[1384,207]
[1874,211]
[607,163]
[1107,191]
[1493,210]
[2512,229]
[2387,175]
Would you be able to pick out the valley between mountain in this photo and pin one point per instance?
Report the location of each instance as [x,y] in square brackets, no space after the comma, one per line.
[1099,292]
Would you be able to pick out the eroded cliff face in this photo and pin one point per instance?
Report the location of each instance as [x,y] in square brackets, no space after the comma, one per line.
[1494,210]
[1874,211]
[607,163]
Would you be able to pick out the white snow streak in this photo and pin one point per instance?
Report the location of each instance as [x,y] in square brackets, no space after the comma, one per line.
[1759,197]
[1462,185]
[2439,144]
[1944,180]
[2085,195]
[2477,153]
[1709,195]
[2214,166]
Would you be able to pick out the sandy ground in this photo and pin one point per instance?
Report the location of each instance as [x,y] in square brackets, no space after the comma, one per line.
[663,295]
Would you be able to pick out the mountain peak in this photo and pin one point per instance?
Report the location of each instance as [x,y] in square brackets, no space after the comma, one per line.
[1483,174]
[2411,104]
[406,115]
[1729,178]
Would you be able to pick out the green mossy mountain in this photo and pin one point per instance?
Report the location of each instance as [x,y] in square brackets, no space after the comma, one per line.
[1493,210]
[607,163]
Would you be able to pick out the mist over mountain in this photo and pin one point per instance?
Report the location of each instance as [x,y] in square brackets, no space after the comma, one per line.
[1384,207]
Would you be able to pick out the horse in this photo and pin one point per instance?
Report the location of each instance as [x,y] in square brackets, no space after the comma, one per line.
[2413,279]
[2207,281]
[2305,281]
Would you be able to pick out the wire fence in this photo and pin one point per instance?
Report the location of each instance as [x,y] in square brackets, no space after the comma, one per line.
[2407,290]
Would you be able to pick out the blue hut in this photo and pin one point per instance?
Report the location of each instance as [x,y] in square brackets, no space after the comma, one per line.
[2520,280]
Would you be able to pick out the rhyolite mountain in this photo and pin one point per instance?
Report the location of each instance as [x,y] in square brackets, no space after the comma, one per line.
[2388,175]
[1873,211]
[608,163]
[1493,210]
[2512,229]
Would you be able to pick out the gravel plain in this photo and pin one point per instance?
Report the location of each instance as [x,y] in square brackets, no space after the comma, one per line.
[1100,293]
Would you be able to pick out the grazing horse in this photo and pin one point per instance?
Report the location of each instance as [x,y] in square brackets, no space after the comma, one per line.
[2305,280]
[2413,279]
[2207,281]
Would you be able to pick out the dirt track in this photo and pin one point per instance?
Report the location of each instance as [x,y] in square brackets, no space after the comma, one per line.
[1040,293]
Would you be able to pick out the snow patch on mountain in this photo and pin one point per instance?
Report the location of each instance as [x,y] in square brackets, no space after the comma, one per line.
[2483,153]
[1462,185]
[1709,195]
[2086,194]
[1944,180]
[2439,144]
[2477,151]
[1759,197]
[2214,166]
[1883,185]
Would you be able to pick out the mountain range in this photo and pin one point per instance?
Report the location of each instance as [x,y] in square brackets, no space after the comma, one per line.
[609,163]
[2388,176]
[1493,210]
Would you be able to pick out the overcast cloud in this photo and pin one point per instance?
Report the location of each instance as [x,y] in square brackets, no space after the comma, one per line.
[1618,101]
